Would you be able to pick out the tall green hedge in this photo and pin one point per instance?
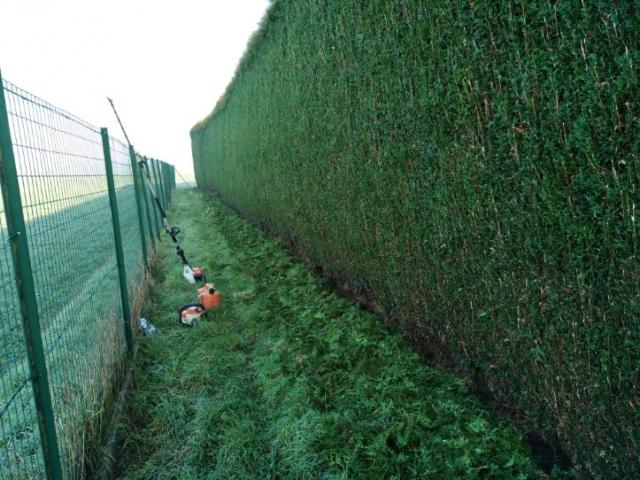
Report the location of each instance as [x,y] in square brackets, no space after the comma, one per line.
[474,165]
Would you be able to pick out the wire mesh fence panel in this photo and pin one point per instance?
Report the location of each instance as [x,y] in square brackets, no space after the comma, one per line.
[146,207]
[153,217]
[20,448]
[63,188]
[60,169]
[155,184]
[127,209]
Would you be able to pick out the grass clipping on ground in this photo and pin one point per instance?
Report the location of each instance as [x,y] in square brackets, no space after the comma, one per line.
[287,380]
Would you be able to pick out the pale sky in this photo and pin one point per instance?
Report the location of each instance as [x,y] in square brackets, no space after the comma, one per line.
[165,63]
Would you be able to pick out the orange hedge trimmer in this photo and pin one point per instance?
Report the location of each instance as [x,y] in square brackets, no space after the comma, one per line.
[208,296]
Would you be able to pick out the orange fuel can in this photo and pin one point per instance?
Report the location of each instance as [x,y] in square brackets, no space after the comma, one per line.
[209,297]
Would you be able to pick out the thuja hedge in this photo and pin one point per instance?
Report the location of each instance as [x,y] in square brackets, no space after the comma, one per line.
[475,166]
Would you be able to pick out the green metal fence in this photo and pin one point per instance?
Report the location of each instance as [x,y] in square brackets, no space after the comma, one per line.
[77,229]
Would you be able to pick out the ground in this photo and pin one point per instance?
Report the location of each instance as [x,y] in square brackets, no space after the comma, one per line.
[287,380]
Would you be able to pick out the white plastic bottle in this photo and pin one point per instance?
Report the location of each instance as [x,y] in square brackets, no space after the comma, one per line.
[148,328]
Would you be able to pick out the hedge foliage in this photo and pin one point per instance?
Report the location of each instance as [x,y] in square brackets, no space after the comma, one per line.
[475,166]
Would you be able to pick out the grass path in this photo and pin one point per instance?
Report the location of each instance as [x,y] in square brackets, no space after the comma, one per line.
[289,381]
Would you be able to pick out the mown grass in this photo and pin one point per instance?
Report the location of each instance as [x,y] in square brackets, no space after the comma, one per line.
[287,380]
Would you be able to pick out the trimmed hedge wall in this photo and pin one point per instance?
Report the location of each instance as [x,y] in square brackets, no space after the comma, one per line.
[475,166]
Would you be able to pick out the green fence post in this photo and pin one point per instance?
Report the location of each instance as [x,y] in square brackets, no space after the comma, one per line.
[136,186]
[159,191]
[158,168]
[144,189]
[163,169]
[169,190]
[124,290]
[165,175]
[162,182]
[156,215]
[27,296]
[156,176]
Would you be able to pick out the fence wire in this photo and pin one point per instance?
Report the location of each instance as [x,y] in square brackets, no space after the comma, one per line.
[128,210]
[68,218]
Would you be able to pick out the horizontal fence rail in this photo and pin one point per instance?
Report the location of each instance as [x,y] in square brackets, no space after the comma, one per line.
[76,234]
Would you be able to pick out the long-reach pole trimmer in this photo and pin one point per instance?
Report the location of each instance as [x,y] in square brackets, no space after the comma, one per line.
[208,296]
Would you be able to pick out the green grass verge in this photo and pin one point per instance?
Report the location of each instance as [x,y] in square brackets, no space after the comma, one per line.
[288,380]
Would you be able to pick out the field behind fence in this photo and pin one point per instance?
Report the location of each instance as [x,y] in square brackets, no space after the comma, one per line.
[474,166]
[65,326]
